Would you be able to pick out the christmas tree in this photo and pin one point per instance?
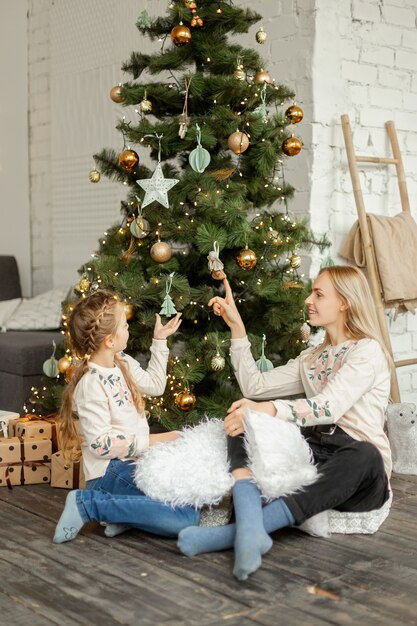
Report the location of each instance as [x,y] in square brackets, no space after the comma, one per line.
[215,203]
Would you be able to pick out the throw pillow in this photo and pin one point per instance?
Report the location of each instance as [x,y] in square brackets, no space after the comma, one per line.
[7,308]
[42,312]
[193,469]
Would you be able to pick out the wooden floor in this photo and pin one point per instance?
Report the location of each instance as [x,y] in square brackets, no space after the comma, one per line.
[140,579]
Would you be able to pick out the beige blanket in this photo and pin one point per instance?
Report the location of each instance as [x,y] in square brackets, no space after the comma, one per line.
[395,245]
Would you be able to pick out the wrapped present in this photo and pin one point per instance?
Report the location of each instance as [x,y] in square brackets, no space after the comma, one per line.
[25,461]
[66,473]
[32,425]
[7,423]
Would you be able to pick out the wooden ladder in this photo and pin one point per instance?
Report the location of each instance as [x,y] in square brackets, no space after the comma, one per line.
[370,257]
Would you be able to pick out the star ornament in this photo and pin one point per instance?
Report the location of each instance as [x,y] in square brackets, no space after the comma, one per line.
[157,187]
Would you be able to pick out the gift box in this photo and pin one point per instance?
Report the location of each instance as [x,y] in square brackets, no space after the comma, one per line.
[32,425]
[7,423]
[25,461]
[66,473]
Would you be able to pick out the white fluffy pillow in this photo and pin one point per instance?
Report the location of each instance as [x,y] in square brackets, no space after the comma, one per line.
[7,308]
[42,312]
[190,470]
[194,469]
[279,456]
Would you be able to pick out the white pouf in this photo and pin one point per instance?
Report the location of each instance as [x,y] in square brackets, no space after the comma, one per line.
[402,433]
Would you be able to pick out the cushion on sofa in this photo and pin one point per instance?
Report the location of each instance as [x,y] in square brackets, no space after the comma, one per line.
[7,308]
[23,353]
[42,312]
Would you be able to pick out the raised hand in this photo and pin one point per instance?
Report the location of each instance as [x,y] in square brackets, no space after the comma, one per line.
[226,308]
[162,331]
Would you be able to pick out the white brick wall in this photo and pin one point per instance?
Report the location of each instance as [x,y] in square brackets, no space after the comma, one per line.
[357,57]
[374,54]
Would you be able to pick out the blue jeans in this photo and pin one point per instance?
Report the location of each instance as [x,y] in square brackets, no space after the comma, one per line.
[114,498]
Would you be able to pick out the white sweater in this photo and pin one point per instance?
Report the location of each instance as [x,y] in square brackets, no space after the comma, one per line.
[347,385]
[110,425]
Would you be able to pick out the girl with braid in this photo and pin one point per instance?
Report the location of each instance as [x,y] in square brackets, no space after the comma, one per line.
[105,394]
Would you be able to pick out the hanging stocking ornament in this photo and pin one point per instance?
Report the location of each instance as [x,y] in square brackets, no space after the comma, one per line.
[168,309]
[305,332]
[156,188]
[200,157]
[214,264]
[263,364]
[50,366]
[183,119]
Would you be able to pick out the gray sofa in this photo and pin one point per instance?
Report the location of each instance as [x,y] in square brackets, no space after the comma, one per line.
[22,353]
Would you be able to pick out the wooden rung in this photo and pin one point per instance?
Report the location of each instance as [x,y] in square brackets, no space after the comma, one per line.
[405,362]
[369,159]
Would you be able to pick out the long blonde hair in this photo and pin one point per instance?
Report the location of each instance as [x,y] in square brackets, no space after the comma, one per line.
[361,318]
[92,319]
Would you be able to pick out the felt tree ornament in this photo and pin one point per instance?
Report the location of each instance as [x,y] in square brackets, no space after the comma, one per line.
[168,308]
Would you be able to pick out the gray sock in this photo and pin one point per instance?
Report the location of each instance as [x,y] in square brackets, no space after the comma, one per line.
[112,530]
[70,522]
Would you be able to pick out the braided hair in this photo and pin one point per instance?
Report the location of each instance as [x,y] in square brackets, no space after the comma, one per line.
[92,319]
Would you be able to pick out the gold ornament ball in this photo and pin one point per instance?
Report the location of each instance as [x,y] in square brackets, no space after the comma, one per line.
[190,4]
[261,36]
[217,362]
[292,146]
[63,364]
[294,114]
[145,105]
[262,77]
[246,259]
[116,94]
[161,252]
[185,400]
[84,285]
[94,176]
[128,159]
[180,35]
[239,73]
[129,311]
[295,261]
[238,142]
[69,372]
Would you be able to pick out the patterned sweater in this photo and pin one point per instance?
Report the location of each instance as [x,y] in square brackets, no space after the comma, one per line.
[347,385]
[110,425]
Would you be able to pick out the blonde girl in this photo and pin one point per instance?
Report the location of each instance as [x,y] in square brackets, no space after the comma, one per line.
[106,395]
[345,382]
